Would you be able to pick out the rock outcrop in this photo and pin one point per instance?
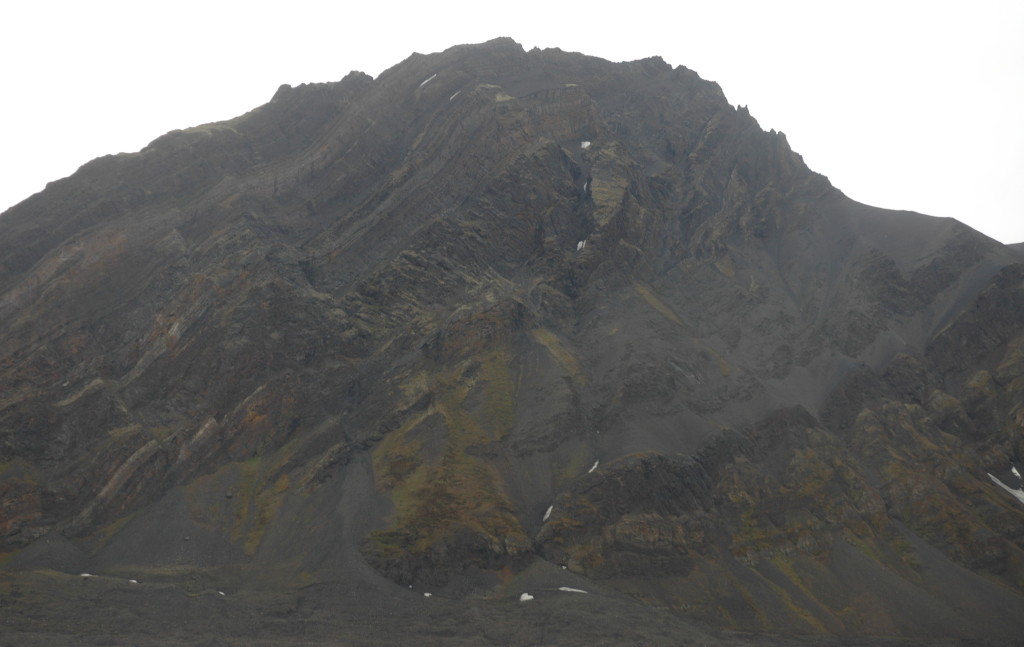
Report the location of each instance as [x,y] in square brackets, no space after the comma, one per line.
[499,318]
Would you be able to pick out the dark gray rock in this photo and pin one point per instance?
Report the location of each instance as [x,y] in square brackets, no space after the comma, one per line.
[362,337]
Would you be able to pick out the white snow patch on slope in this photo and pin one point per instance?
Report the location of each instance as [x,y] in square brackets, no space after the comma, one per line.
[455,95]
[1019,494]
[525,597]
[548,513]
[594,466]
[427,81]
[584,145]
[569,589]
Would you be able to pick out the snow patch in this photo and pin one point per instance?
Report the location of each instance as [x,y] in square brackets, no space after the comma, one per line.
[594,466]
[525,597]
[133,581]
[584,145]
[427,81]
[455,95]
[569,589]
[1015,472]
[580,245]
[220,592]
[427,595]
[1018,493]
[548,513]
[85,575]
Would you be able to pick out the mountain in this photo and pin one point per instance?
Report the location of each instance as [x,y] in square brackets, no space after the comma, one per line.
[499,323]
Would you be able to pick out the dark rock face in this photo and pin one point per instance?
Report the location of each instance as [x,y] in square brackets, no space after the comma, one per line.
[496,320]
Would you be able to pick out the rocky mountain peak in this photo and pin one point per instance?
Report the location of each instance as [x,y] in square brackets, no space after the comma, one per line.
[501,319]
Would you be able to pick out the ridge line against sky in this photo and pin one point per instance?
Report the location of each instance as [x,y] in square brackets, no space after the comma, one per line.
[903,105]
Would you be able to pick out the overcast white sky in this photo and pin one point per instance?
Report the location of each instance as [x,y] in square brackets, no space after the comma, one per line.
[905,105]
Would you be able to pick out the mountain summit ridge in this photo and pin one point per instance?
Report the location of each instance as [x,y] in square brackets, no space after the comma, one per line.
[501,319]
